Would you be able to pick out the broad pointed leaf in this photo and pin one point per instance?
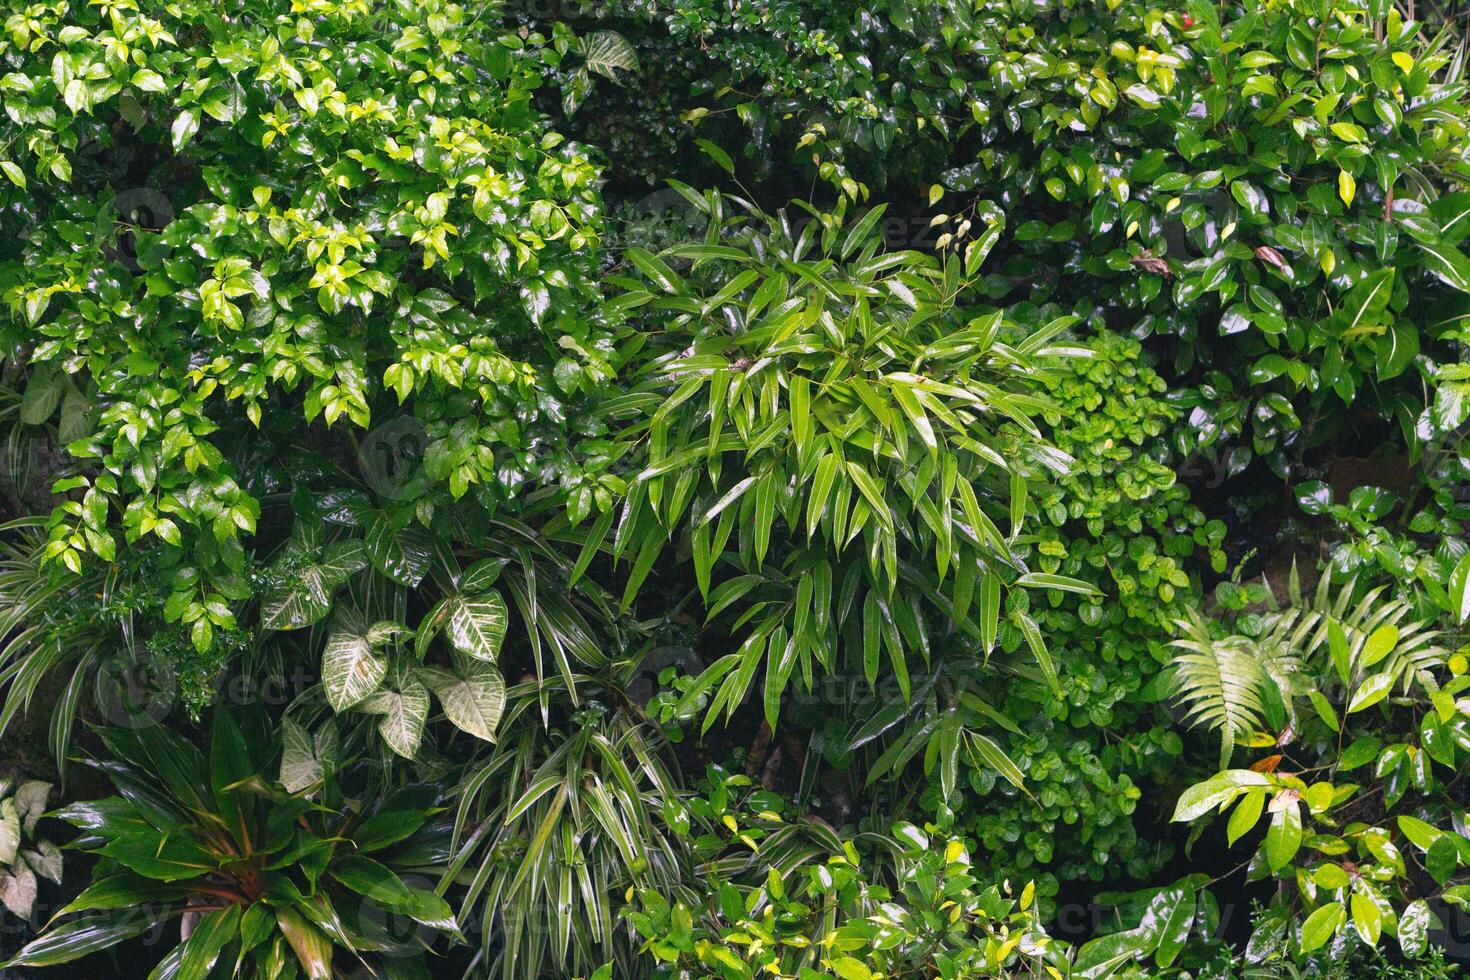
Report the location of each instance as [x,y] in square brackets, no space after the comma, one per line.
[473,701]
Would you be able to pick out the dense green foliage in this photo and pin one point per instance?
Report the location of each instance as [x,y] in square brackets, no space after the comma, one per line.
[713,488]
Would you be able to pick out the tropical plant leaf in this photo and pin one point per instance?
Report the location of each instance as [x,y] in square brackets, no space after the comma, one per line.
[301,765]
[405,711]
[18,889]
[30,802]
[402,554]
[476,624]
[305,595]
[472,701]
[80,937]
[351,666]
[607,52]
[9,830]
[1219,683]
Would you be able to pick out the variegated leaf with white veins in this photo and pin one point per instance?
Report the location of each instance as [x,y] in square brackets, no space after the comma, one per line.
[306,596]
[473,701]
[476,624]
[405,712]
[351,666]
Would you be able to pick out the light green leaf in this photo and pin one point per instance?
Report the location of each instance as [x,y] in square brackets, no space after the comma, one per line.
[1460,590]
[404,712]
[1245,815]
[9,831]
[1370,692]
[45,860]
[184,128]
[30,802]
[18,889]
[1284,837]
[1203,797]
[1321,926]
[1367,918]
[300,767]
[1380,643]
[351,667]
[472,701]
[994,757]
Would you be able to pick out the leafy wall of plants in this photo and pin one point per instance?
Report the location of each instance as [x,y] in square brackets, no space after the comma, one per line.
[678,488]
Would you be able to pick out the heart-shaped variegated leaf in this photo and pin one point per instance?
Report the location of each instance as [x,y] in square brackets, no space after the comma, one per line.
[18,890]
[30,802]
[473,701]
[402,554]
[9,830]
[351,666]
[404,711]
[300,767]
[45,860]
[304,595]
[475,624]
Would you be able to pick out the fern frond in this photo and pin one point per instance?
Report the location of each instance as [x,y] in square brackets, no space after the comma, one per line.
[1284,644]
[1219,683]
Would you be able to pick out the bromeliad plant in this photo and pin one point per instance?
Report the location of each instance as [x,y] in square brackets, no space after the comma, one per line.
[259,880]
[1359,712]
